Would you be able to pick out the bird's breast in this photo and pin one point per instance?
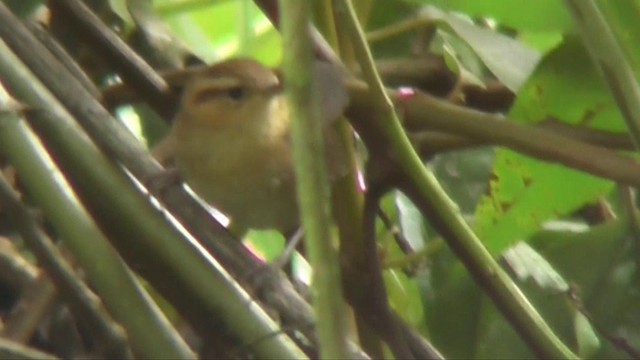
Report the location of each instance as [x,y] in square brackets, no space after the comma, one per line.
[250,180]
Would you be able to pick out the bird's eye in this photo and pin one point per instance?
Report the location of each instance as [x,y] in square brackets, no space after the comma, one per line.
[236,93]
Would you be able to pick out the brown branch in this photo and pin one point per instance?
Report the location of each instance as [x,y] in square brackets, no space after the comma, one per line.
[375,300]
[128,63]
[430,143]
[422,111]
[428,73]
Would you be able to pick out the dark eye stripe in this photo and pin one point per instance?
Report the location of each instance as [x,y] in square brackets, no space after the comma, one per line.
[234,93]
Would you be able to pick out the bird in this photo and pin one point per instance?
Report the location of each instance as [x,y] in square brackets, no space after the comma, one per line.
[231,141]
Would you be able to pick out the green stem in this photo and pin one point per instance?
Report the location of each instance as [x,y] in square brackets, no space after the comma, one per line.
[151,334]
[425,191]
[312,180]
[14,350]
[72,289]
[397,29]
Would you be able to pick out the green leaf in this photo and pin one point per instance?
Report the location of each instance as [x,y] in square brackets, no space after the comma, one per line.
[452,309]
[526,192]
[539,15]
[601,265]
[267,243]
[389,12]
[404,297]
[582,256]
[527,263]
[23,8]
[542,41]
[219,39]
[622,17]
[567,87]
[411,221]
[508,59]
[586,337]
[464,175]
[496,338]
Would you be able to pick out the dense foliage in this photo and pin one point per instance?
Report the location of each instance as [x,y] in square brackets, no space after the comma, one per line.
[536,152]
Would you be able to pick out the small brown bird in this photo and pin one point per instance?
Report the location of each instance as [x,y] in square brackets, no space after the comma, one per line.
[231,141]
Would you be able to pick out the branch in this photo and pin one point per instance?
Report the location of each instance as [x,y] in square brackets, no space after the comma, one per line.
[381,130]
[424,111]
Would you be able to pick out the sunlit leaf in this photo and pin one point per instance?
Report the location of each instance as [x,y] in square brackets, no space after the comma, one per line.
[404,297]
[215,40]
[539,15]
[527,192]
[267,243]
[526,263]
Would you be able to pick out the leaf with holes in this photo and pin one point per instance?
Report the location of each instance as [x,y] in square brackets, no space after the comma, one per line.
[525,192]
